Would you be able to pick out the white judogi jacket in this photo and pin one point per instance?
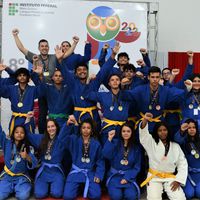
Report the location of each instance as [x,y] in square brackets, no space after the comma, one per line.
[175,157]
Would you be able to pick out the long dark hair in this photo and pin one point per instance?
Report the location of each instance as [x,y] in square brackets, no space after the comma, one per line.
[155,132]
[46,138]
[24,142]
[93,127]
[195,139]
[132,140]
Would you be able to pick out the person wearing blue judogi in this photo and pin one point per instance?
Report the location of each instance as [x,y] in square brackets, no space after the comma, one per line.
[58,95]
[172,112]
[190,106]
[51,151]
[19,158]
[114,109]
[87,161]
[75,59]
[124,155]
[84,109]
[189,139]
[122,60]
[153,97]
[21,97]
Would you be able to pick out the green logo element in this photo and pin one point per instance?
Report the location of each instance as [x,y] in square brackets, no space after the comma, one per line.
[103,28]
[12,10]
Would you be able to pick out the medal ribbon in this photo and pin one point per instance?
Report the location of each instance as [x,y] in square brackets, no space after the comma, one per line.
[196,99]
[154,98]
[115,98]
[49,147]
[45,67]
[126,151]
[85,149]
[193,148]
[21,93]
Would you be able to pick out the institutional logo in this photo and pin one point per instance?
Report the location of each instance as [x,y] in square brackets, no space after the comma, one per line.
[103,23]
[105,26]
[13,9]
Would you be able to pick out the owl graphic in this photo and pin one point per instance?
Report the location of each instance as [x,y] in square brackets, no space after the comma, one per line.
[104,26]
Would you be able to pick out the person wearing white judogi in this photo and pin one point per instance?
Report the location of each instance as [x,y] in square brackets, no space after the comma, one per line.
[168,167]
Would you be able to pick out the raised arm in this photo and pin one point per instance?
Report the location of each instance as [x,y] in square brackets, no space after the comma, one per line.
[145,56]
[87,53]
[72,48]
[103,54]
[188,71]
[69,128]
[7,81]
[180,136]
[35,139]
[104,72]
[144,135]
[109,147]
[18,42]
[2,137]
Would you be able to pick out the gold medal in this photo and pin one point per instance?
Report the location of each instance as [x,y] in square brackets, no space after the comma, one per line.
[20,104]
[125,162]
[120,108]
[49,157]
[196,155]
[46,73]
[46,157]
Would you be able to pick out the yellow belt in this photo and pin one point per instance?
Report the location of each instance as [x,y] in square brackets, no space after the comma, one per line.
[158,174]
[14,114]
[85,110]
[178,111]
[133,119]
[13,174]
[112,123]
[156,119]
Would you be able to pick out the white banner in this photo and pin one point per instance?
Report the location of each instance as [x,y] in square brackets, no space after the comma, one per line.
[60,20]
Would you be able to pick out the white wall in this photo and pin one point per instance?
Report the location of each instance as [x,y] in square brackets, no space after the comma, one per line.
[179,28]
[178,25]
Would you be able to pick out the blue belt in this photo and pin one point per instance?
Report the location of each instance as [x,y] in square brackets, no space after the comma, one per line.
[194,170]
[121,172]
[50,166]
[76,169]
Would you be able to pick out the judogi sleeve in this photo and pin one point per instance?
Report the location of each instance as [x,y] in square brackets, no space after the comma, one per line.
[182,167]
[145,138]
[100,164]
